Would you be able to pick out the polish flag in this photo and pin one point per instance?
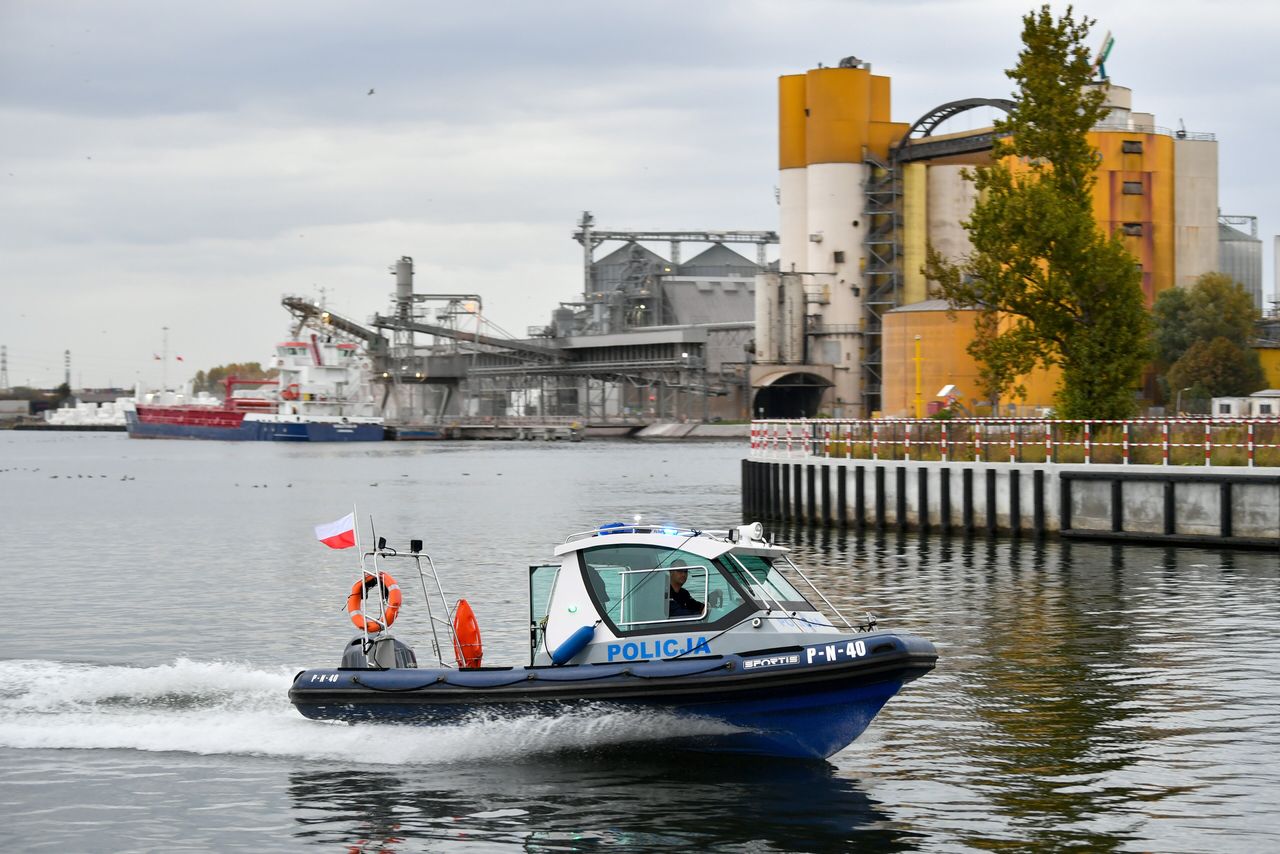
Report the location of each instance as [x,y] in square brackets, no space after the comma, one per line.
[340,534]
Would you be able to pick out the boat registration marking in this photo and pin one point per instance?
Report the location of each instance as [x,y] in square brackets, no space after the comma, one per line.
[324,677]
[836,651]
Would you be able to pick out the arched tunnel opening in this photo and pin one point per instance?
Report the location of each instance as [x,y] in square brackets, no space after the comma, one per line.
[790,396]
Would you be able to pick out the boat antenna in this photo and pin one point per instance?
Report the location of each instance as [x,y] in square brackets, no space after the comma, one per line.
[377,574]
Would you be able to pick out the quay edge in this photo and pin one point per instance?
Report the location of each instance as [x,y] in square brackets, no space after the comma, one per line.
[1201,506]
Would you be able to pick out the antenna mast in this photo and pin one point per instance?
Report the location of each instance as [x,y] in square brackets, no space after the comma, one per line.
[1100,61]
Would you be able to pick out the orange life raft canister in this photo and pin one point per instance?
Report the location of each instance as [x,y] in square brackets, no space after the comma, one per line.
[391,590]
[466,636]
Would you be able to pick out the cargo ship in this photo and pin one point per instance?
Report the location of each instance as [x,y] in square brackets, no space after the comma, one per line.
[321,394]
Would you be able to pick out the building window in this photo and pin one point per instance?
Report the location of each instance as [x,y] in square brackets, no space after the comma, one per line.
[1132,229]
[1264,409]
[1131,146]
[839,256]
[1133,188]
[1224,409]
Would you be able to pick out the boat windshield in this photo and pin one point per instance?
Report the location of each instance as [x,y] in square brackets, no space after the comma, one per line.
[765,583]
[651,588]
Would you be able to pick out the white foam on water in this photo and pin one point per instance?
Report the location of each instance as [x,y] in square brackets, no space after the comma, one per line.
[217,708]
[53,686]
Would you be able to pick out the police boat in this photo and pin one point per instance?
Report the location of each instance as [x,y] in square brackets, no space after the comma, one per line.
[701,624]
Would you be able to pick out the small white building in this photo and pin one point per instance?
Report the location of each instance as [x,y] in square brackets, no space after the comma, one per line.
[1260,404]
[1265,403]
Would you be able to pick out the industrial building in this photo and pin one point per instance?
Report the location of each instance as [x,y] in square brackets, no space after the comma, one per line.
[1240,254]
[650,338]
[841,323]
[845,326]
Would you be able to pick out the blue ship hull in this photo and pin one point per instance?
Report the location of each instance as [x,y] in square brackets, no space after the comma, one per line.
[258,431]
[783,703]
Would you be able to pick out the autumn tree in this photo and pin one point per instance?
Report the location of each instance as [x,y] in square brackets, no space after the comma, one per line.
[211,380]
[1049,287]
[1217,368]
[1201,338]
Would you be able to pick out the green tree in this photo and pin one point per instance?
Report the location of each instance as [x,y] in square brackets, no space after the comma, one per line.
[1216,306]
[1049,287]
[1201,337]
[1171,329]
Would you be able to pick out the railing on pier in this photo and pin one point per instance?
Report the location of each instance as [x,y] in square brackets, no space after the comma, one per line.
[1148,441]
[512,420]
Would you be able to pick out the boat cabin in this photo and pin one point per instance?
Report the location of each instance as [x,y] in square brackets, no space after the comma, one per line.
[637,592]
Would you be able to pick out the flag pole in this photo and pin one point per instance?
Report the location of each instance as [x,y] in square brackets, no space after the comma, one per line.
[355,517]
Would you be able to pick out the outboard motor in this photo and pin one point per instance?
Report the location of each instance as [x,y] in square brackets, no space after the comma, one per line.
[381,653]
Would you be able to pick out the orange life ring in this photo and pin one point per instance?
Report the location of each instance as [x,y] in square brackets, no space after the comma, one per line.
[467,648]
[290,392]
[391,590]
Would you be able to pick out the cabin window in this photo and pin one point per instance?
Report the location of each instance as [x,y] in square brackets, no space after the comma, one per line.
[1132,229]
[1132,188]
[1131,146]
[632,585]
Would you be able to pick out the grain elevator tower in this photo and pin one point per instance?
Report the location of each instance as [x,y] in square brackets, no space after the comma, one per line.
[812,331]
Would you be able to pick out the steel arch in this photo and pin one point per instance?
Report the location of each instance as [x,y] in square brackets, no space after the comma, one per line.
[938,115]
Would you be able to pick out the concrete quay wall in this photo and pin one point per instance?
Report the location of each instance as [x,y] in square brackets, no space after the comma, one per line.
[1210,505]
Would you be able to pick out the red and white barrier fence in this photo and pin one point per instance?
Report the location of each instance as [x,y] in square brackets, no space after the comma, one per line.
[1144,441]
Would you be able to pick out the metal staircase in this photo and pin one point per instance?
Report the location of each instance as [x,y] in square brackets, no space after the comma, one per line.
[883,274]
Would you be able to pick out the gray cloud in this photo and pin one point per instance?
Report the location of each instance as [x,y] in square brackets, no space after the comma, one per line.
[186,164]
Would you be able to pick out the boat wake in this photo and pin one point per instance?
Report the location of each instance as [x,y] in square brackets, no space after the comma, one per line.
[213,708]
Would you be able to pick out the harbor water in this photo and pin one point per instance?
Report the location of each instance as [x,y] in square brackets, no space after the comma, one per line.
[163,593]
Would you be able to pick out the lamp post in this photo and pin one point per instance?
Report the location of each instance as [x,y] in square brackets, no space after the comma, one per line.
[919,405]
[1177,405]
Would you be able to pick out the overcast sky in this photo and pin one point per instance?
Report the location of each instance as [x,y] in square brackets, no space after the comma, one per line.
[185,164]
